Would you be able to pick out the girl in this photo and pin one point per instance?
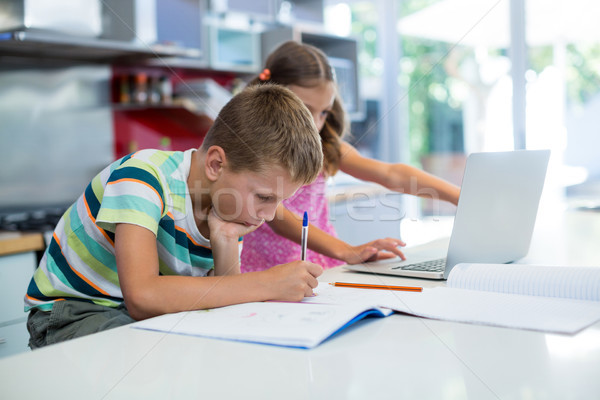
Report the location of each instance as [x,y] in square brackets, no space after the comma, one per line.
[305,70]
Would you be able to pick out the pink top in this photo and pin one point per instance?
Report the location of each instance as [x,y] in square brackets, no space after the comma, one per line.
[264,249]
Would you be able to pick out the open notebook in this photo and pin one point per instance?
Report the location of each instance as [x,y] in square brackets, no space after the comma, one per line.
[277,323]
[548,299]
[533,297]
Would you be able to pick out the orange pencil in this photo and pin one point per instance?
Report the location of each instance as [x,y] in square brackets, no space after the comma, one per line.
[384,287]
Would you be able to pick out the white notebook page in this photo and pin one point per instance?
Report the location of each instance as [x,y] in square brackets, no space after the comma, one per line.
[544,314]
[284,324]
[581,283]
[537,313]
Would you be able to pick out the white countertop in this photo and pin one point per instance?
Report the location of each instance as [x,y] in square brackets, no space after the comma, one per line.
[395,357]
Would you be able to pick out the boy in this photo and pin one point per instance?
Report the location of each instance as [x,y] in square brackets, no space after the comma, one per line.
[158,232]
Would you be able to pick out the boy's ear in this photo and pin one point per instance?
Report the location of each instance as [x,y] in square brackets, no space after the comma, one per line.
[214,163]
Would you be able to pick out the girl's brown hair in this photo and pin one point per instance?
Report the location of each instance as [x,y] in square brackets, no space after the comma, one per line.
[301,64]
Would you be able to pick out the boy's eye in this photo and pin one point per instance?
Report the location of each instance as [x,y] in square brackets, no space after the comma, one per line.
[264,198]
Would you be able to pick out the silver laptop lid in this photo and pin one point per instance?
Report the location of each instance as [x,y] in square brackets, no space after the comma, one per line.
[497,207]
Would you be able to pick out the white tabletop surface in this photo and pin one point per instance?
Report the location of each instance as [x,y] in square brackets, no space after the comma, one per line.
[395,357]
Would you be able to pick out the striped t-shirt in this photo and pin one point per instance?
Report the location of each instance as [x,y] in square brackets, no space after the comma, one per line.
[148,188]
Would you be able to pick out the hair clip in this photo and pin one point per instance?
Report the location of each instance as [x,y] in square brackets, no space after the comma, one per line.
[265,75]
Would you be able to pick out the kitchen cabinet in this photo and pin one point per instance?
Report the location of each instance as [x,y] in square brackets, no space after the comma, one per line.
[283,11]
[71,101]
[16,271]
[175,126]
[160,127]
[234,49]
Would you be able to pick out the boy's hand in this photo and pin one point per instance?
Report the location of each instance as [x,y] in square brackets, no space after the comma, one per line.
[221,229]
[373,251]
[224,236]
[292,281]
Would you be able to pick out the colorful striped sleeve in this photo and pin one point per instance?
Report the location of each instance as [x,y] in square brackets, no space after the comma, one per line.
[133,194]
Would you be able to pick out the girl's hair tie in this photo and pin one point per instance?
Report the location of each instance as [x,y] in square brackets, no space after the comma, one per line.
[265,75]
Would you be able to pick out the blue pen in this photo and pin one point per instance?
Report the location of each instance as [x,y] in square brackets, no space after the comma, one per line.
[304,234]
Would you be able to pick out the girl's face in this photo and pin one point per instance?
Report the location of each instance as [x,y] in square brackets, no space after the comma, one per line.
[318,99]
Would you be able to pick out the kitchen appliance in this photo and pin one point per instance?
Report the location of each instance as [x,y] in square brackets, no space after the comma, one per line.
[71,17]
[39,220]
[129,21]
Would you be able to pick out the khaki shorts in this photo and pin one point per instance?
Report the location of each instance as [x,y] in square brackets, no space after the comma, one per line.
[69,319]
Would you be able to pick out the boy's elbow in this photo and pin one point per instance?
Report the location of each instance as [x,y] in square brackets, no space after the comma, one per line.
[137,305]
[138,315]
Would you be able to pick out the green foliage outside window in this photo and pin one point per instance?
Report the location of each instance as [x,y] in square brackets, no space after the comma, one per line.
[433,94]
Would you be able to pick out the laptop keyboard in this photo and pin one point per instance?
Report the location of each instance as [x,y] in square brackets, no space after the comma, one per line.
[431,266]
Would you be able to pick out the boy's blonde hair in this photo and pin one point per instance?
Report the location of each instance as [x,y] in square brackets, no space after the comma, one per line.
[268,125]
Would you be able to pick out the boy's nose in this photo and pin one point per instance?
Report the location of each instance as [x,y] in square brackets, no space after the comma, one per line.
[266,213]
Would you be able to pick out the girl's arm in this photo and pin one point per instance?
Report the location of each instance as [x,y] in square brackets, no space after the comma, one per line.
[147,294]
[289,225]
[398,177]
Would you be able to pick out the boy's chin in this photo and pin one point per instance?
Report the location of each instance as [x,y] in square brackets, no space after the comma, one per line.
[252,224]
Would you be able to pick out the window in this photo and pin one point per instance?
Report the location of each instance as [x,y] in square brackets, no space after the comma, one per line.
[455,84]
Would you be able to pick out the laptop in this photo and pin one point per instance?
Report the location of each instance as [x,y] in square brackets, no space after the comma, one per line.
[494,220]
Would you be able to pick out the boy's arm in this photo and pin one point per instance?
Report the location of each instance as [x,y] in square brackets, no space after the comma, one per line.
[289,225]
[224,242]
[147,294]
[402,178]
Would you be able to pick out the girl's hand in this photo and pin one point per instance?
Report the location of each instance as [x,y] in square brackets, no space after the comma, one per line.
[379,249]
[225,230]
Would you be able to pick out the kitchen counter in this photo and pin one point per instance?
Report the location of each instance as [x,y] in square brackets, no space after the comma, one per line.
[354,192]
[18,261]
[17,242]
[363,211]
[345,188]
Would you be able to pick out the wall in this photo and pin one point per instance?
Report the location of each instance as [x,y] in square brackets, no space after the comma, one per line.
[51,120]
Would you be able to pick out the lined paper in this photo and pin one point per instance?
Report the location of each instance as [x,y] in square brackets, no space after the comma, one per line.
[545,314]
[492,307]
[582,283]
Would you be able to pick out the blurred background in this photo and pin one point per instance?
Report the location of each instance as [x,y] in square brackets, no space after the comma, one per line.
[426,82]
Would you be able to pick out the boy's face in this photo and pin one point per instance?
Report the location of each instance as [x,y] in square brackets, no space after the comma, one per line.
[248,198]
